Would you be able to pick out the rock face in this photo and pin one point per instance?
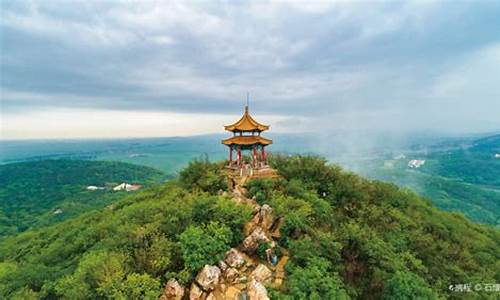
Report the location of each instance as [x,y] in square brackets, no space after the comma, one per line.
[266,216]
[261,273]
[253,241]
[210,296]
[222,265]
[234,258]
[173,291]
[263,217]
[196,293]
[256,291]
[232,293]
[231,274]
[208,277]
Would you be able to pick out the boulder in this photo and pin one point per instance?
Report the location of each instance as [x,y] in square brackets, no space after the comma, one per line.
[232,293]
[251,242]
[208,277]
[257,291]
[249,227]
[173,290]
[231,274]
[210,296]
[241,280]
[276,228]
[263,217]
[266,216]
[222,265]
[261,273]
[196,293]
[234,258]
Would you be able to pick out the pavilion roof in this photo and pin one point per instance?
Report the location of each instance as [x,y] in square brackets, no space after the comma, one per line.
[246,123]
[247,140]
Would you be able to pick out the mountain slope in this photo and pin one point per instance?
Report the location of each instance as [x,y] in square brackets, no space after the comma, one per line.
[346,236]
[30,192]
[459,175]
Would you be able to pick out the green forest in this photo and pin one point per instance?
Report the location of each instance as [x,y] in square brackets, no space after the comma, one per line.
[30,192]
[461,176]
[348,238]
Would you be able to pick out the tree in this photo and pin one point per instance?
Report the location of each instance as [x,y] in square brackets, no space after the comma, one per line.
[406,285]
[315,281]
[203,175]
[98,274]
[140,286]
[205,244]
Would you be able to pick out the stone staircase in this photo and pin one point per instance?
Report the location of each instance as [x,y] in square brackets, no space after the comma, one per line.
[241,274]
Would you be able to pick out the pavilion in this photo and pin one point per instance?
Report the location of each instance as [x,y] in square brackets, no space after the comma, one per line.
[247,136]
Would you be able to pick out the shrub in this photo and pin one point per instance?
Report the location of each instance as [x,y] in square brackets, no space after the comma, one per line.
[205,244]
[315,281]
[405,285]
[203,175]
[140,286]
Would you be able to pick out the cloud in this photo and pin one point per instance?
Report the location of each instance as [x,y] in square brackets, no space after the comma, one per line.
[369,64]
[114,123]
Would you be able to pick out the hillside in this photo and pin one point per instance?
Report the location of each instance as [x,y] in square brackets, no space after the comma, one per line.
[458,175]
[39,193]
[347,237]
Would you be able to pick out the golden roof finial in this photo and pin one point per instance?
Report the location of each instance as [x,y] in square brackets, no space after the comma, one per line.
[248,100]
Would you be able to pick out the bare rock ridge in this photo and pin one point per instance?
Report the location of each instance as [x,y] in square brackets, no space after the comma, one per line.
[241,274]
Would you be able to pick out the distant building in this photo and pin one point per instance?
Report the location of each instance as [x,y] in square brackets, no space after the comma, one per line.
[127,187]
[400,156]
[94,188]
[134,155]
[416,163]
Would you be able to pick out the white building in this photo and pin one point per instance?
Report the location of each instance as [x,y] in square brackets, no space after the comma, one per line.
[94,188]
[416,163]
[127,187]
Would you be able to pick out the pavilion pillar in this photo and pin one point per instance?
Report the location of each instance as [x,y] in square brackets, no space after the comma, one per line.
[238,155]
[262,154]
[254,155]
[230,154]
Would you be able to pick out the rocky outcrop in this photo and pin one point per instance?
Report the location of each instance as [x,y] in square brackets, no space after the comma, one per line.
[231,274]
[222,266]
[208,277]
[234,258]
[196,293]
[257,291]
[266,217]
[262,217]
[251,242]
[261,273]
[173,291]
[241,273]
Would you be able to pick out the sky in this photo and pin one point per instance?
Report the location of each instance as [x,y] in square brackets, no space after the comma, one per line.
[78,69]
